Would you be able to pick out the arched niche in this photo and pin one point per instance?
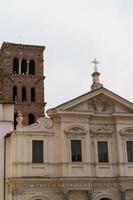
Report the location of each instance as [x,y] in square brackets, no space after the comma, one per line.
[38,197]
[23,66]
[32,67]
[33,94]
[105,199]
[31,118]
[15,65]
[14,93]
[24,94]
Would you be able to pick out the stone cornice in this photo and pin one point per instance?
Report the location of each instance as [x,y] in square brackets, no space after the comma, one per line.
[52,112]
[122,114]
[13,76]
[22,46]
[25,184]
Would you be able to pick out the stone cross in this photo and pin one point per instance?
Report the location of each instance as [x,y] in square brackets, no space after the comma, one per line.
[95,62]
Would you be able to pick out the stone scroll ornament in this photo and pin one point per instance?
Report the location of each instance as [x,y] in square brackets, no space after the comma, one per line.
[47,122]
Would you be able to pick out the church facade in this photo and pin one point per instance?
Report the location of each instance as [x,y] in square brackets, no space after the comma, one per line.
[83,150]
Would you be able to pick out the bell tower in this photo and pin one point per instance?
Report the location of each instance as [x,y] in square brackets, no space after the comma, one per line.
[22,79]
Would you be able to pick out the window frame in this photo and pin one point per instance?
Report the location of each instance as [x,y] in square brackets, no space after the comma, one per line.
[107,152]
[81,150]
[35,159]
[127,155]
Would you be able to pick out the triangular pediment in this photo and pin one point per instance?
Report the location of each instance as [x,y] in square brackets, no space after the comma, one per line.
[101,104]
[98,101]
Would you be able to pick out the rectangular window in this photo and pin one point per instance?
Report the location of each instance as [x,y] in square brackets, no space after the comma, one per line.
[37,151]
[102,151]
[76,152]
[129,151]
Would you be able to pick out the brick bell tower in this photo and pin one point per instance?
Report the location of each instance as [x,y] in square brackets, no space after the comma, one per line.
[22,79]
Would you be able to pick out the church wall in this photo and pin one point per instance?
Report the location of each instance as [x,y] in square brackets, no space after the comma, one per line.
[85,168]
[21,158]
[57,152]
[6,126]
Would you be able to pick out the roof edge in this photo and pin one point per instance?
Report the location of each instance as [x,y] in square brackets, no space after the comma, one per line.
[22,46]
[80,96]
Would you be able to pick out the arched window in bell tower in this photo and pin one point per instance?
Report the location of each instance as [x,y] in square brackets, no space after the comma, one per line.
[24,94]
[14,93]
[31,119]
[32,67]
[15,66]
[33,95]
[23,66]
[15,122]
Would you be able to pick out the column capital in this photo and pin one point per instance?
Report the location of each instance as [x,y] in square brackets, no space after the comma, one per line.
[20,65]
[123,190]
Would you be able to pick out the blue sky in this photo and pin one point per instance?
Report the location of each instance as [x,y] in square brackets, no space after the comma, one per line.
[74,32]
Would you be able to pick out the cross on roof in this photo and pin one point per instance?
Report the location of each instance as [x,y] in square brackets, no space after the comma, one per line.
[95,62]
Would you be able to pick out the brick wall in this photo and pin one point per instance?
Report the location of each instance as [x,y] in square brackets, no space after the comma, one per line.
[8,52]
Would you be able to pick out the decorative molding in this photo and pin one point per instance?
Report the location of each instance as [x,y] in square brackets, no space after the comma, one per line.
[98,104]
[16,187]
[47,122]
[127,133]
[104,130]
[75,130]
[22,46]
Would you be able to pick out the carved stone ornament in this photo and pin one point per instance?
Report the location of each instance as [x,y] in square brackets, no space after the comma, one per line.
[19,120]
[98,105]
[75,130]
[43,124]
[47,122]
[127,133]
[71,185]
[105,130]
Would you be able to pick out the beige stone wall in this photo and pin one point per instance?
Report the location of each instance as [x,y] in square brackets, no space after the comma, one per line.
[6,126]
